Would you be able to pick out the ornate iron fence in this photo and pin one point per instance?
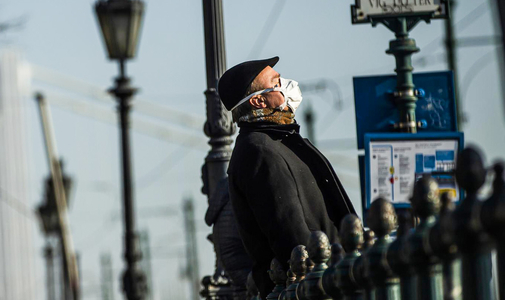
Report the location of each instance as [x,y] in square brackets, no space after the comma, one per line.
[446,256]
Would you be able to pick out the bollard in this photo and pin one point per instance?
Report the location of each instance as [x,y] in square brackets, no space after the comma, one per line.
[351,236]
[382,220]
[298,266]
[278,276]
[442,244]
[425,205]
[493,219]
[397,256]
[311,287]
[473,243]
[359,267]
[329,276]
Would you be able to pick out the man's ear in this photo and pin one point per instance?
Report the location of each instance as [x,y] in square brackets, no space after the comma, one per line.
[258,102]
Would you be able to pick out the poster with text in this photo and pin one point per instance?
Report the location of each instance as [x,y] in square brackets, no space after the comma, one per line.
[396,165]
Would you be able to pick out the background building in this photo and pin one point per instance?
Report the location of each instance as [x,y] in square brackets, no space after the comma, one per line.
[16,213]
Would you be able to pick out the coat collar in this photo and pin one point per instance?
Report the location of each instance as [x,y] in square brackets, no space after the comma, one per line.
[269,128]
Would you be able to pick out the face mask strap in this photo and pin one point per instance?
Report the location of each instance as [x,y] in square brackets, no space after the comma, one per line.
[254,94]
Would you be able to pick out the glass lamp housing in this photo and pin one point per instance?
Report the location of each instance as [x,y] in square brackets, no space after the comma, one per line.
[120,22]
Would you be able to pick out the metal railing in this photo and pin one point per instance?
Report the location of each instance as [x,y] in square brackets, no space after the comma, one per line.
[446,256]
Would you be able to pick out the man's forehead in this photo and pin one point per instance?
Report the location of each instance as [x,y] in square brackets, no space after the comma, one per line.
[267,72]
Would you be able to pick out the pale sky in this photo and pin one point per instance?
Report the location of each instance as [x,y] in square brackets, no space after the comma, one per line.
[314,39]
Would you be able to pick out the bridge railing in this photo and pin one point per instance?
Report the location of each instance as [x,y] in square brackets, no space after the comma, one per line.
[446,256]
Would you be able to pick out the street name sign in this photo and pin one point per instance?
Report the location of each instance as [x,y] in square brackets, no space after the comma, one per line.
[364,11]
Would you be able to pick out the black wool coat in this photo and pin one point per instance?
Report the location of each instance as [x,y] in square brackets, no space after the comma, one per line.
[281,188]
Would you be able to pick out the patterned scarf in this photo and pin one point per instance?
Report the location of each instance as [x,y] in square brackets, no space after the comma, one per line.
[268,115]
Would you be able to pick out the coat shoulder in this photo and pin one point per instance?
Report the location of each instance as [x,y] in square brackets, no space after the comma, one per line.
[253,147]
[255,142]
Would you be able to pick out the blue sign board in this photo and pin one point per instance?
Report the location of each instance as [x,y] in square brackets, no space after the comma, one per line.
[376,112]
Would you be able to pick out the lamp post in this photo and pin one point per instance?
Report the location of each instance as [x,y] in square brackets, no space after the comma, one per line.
[120,22]
[218,126]
[50,223]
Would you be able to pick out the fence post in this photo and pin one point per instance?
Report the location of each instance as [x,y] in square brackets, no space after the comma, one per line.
[397,256]
[319,253]
[473,243]
[382,220]
[442,244]
[351,236]
[493,219]
[298,266]
[278,276]
[291,278]
[360,274]
[425,205]
[329,276]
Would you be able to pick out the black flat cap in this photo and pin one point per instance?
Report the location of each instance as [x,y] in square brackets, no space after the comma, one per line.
[234,82]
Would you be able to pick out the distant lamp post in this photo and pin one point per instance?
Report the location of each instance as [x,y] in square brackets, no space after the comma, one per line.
[120,22]
[49,221]
[50,224]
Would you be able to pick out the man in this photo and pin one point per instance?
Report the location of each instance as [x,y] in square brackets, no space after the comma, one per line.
[281,186]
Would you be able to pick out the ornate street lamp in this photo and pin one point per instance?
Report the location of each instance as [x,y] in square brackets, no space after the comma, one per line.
[120,22]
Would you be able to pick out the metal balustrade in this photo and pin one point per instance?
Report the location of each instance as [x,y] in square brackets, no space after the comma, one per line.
[446,256]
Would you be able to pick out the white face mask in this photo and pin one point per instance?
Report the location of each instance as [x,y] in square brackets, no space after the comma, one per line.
[289,89]
[292,94]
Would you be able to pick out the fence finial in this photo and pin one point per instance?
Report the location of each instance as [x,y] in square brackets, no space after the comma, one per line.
[278,276]
[351,235]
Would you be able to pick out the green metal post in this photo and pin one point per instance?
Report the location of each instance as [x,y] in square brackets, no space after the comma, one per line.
[402,48]
[493,219]
[501,267]
[428,268]
[351,236]
[319,252]
[298,265]
[290,279]
[441,242]
[473,243]
[397,256]
[360,274]
[382,220]
[278,276]
[329,279]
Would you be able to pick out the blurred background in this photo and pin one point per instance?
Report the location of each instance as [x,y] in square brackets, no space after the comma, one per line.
[55,48]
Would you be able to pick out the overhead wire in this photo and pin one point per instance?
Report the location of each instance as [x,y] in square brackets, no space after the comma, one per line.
[172,160]
[98,235]
[480,64]
[102,231]
[98,93]
[105,115]
[462,24]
